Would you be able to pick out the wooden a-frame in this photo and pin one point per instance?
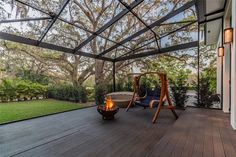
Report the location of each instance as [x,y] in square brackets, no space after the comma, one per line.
[164,95]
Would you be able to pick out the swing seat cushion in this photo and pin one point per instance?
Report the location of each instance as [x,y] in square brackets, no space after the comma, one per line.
[146,102]
[151,95]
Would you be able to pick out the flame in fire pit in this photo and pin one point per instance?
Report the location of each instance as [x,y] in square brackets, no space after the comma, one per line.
[109,104]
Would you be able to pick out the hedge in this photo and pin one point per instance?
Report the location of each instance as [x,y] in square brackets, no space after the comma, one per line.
[68,92]
[18,90]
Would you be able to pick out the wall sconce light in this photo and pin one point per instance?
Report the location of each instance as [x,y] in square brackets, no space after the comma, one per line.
[228,35]
[221,51]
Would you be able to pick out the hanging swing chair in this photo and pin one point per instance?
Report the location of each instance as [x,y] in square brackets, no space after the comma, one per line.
[152,98]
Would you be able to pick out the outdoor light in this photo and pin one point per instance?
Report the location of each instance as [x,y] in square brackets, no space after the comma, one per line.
[221,51]
[228,35]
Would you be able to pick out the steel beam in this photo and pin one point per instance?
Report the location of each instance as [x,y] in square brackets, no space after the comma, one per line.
[198,66]
[178,22]
[209,20]
[26,19]
[53,21]
[162,50]
[108,24]
[157,23]
[27,41]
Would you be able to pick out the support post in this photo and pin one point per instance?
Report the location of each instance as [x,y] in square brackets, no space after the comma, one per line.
[233,69]
[198,67]
[230,69]
[114,76]
[222,66]
[222,86]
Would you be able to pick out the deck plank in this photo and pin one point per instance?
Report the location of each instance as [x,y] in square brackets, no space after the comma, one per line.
[82,133]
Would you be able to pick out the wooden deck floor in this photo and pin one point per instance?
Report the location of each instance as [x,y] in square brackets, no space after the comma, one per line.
[198,132]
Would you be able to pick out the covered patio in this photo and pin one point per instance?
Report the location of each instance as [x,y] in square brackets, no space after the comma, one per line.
[198,132]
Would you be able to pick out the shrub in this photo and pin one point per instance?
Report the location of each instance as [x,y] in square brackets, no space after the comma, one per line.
[128,85]
[90,93]
[207,87]
[204,92]
[179,89]
[61,92]
[68,92]
[120,85]
[83,94]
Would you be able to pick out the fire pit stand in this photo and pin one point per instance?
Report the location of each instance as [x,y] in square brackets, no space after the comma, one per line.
[107,114]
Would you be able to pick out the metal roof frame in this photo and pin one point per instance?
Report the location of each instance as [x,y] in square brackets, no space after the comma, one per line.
[64,20]
[157,23]
[128,9]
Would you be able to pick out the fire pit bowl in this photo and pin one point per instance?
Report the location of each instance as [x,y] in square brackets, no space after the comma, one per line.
[107,114]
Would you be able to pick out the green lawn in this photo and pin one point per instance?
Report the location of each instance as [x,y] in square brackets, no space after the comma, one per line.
[14,111]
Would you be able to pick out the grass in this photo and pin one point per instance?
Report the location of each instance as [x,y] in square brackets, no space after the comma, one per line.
[14,111]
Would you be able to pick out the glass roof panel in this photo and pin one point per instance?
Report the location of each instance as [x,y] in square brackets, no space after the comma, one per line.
[66,35]
[185,35]
[140,40]
[28,29]
[123,28]
[152,10]
[167,28]
[91,15]
[50,6]
[117,52]
[149,46]
[10,10]
[176,22]
[97,45]
[186,15]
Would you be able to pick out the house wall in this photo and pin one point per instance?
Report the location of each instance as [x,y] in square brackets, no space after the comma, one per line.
[229,103]
[226,64]
[233,69]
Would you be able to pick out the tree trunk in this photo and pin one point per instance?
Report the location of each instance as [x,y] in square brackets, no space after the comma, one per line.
[99,74]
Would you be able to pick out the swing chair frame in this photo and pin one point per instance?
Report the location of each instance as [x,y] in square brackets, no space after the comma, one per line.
[163,96]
